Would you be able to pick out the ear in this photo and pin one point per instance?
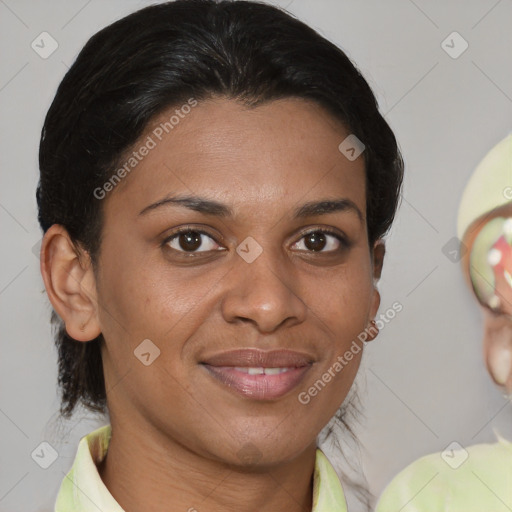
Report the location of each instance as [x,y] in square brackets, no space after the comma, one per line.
[378,252]
[70,283]
[498,348]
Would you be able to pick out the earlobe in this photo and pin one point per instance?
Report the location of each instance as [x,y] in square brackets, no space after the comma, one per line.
[70,284]
[372,329]
[378,252]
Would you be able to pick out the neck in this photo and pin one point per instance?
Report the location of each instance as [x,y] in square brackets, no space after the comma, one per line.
[146,470]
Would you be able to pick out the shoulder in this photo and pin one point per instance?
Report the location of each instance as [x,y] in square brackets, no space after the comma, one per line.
[457,479]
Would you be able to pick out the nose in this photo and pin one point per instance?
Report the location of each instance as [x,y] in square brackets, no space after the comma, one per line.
[264,292]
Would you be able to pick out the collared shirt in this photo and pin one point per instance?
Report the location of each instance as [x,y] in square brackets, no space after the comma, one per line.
[477,478]
[83,490]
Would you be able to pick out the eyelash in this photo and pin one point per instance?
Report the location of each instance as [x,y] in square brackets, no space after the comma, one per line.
[344,244]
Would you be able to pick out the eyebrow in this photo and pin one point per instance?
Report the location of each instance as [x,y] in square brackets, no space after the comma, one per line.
[212,207]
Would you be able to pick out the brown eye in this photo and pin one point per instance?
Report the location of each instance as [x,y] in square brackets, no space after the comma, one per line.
[192,241]
[315,241]
[319,241]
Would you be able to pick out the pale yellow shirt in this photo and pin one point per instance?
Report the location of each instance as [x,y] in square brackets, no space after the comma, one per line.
[82,489]
[477,478]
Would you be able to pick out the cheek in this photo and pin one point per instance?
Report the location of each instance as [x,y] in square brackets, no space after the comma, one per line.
[126,307]
[151,300]
[341,303]
[133,288]
[342,297]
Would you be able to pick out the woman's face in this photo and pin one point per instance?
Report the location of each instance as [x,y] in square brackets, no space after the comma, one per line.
[263,264]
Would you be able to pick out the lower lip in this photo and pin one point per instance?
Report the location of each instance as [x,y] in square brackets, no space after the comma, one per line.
[259,387]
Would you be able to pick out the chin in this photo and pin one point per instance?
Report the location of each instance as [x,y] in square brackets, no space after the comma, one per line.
[263,453]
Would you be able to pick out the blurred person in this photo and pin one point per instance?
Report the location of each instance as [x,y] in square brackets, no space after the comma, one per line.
[481,478]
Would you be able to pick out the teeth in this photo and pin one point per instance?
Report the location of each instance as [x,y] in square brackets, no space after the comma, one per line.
[275,371]
[261,371]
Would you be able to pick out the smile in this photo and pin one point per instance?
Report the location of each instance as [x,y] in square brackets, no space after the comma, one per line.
[277,373]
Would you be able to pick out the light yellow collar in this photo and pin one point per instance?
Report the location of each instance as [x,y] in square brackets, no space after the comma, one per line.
[82,489]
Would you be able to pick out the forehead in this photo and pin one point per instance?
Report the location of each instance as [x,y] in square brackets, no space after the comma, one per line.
[253,156]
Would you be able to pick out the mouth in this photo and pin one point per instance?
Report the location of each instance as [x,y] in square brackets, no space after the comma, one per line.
[259,375]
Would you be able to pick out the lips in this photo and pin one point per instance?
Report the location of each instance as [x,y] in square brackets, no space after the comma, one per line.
[257,374]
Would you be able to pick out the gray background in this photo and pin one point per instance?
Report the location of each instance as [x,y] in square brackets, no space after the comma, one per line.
[423,383]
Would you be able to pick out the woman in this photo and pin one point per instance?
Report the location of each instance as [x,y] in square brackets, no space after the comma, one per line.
[479,477]
[216,181]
